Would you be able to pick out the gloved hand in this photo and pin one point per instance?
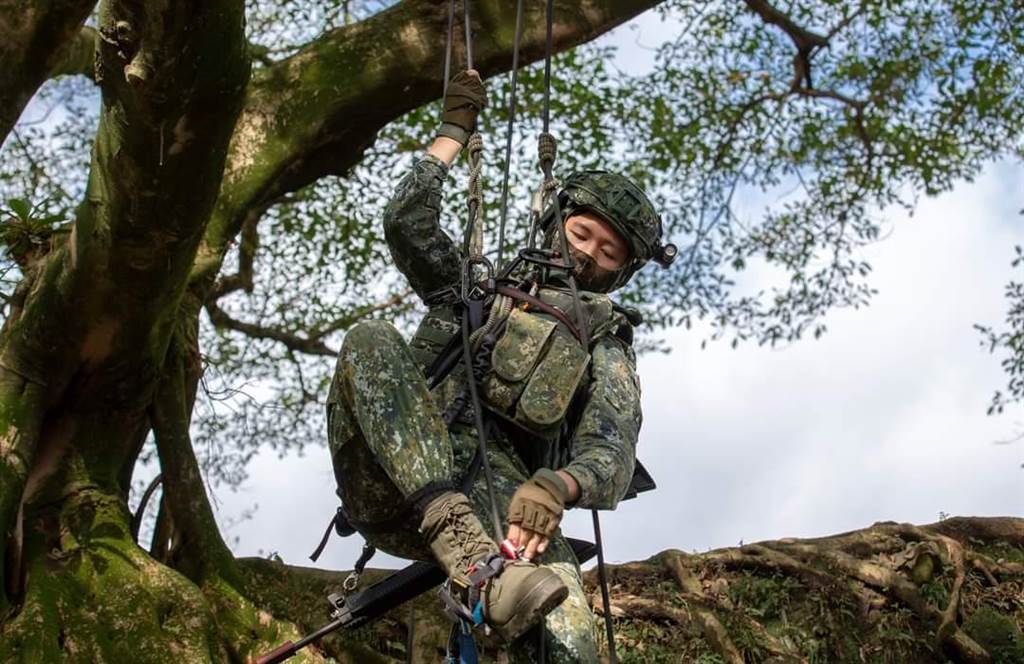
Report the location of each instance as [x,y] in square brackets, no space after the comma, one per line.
[463,101]
[536,510]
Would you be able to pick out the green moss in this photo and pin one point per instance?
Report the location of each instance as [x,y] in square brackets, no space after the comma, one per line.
[763,597]
[998,634]
[99,598]
[1001,551]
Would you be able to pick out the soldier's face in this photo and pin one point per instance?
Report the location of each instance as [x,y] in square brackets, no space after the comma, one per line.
[591,235]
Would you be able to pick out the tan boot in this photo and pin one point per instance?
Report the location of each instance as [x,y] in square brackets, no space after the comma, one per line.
[513,600]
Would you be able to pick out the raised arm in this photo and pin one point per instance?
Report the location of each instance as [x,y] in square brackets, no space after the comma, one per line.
[424,253]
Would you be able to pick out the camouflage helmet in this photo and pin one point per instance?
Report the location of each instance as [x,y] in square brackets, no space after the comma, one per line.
[625,206]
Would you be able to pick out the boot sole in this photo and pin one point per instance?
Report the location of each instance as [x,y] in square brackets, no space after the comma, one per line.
[541,600]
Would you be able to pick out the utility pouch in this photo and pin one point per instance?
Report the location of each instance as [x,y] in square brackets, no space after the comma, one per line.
[550,389]
[515,356]
[536,368]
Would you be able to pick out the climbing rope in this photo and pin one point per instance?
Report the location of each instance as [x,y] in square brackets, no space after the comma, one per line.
[471,296]
[509,133]
[475,228]
[547,150]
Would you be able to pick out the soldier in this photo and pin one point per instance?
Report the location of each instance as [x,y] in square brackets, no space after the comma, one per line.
[563,419]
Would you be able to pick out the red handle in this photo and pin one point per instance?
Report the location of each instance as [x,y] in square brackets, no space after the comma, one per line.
[278,654]
[510,551]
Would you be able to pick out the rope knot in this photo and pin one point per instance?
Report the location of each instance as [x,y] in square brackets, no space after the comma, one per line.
[547,150]
[475,243]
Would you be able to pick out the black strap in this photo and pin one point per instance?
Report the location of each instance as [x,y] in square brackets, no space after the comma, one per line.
[327,535]
[364,557]
[444,361]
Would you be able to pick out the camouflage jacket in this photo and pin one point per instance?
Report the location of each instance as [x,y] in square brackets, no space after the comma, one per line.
[599,448]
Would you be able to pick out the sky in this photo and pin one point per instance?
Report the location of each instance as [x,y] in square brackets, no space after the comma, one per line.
[883,418]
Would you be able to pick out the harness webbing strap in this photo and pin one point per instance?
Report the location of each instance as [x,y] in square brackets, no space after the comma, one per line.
[541,305]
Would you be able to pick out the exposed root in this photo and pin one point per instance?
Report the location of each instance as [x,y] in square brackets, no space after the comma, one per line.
[704,621]
[889,593]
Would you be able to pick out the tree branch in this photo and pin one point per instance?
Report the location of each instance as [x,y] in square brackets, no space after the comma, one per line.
[360,313]
[243,279]
[310,343]
[803,38]
[806,43]
[80,56]
[291,340]
[316,112]
[34,35]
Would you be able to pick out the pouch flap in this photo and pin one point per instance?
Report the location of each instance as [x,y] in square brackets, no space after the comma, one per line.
[519,348]
[547,396]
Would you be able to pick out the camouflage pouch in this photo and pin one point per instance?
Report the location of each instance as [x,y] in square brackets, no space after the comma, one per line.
[536,368]
[550,389]
[515,356]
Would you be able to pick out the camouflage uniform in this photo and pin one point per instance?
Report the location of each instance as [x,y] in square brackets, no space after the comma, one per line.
[388,439]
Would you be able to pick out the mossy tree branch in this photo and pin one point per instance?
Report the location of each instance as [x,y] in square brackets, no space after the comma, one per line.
[780,601]
[199,550]
[34,37]
[315,113]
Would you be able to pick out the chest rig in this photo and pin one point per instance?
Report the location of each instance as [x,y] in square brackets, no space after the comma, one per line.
[538,365]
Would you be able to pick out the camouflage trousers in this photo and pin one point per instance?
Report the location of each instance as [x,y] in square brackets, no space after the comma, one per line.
[388,440]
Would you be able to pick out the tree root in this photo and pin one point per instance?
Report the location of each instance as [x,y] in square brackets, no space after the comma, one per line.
[785,600]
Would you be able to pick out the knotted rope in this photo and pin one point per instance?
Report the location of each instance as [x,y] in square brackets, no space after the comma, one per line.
[475,245]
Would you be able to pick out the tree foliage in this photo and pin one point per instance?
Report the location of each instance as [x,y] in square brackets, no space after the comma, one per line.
[773,138]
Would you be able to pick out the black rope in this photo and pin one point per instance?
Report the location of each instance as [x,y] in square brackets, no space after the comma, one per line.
[478,420]
[547,66]
[508,139]
[582,324]
[546,150]
[469,34]
[141,511]
[448,47]
[602,577]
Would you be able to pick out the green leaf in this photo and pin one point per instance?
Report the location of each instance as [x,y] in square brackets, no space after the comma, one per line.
[20,207]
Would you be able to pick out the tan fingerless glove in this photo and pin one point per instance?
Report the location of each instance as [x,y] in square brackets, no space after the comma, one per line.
[538,504]
[463,101]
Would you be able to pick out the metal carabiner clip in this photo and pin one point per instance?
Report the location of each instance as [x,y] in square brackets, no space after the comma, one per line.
[472,290]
